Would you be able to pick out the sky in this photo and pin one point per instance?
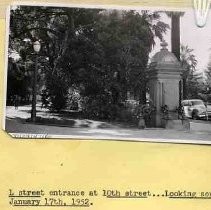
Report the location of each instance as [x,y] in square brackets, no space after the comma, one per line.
[198,39]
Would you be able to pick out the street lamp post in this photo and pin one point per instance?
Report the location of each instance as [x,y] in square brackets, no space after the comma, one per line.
[36,46]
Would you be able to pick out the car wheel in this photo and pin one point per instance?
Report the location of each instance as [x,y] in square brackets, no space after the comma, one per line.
[195,115]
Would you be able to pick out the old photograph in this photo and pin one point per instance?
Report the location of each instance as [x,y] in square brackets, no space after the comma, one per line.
[108,73]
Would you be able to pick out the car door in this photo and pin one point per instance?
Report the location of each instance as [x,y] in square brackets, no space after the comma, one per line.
[187,108]
[190,109]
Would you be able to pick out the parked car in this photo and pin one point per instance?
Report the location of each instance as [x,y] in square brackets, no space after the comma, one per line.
[208,106]
[194,108]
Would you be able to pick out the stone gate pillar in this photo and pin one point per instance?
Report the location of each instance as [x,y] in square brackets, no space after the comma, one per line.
[164,81]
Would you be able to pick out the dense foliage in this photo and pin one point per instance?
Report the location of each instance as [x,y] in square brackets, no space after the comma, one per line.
[103,54]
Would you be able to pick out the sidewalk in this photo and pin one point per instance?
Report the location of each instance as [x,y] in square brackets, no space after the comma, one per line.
[95,129]
[24,112]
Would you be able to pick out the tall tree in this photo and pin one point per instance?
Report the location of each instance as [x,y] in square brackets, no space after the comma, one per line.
[192,78]
[208,75]
[103,53]
[56,28]
[207,91]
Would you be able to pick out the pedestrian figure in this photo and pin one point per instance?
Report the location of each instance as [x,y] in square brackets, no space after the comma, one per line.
[16,101]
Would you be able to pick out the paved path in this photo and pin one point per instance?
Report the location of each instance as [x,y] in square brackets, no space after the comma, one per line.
[24,112]
[13,125]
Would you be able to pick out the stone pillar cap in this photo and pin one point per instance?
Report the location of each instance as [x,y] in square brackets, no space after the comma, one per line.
[164,45]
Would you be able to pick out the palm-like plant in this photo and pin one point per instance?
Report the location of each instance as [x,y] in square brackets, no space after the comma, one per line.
[208,76]
[189,62]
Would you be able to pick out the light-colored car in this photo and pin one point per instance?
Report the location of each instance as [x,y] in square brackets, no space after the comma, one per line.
[194,108]
[208,106]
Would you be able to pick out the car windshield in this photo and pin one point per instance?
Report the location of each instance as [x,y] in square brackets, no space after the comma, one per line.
[197,103]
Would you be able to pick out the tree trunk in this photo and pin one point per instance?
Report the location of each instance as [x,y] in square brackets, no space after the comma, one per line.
[175,35]
[142,99]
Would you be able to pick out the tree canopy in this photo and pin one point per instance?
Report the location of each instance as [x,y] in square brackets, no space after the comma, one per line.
[192,79]
[101,53]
